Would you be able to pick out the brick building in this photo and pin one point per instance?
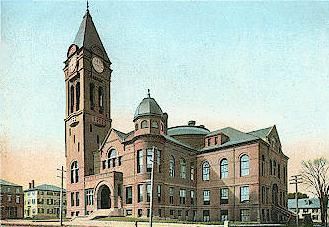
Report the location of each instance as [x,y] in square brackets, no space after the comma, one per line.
[199,175]
[43,201]
[11,200]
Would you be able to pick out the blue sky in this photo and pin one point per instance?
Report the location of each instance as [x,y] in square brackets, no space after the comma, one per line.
[239,64]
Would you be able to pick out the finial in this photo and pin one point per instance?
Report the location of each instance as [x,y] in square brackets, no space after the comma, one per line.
[148,93]
[87,6]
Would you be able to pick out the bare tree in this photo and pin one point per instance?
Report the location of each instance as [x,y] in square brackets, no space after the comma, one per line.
[315,175]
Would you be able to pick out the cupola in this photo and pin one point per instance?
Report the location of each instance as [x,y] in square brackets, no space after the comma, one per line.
[149,117]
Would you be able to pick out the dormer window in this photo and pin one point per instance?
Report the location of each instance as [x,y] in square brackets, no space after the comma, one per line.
[216,140]
[208,141]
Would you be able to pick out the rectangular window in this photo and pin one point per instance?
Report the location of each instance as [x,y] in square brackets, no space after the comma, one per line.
[72,199]
[244,194]
[224,196]
[171,212]
[129,195]
[140,192]
[17,199]
[179,213]
[159,193]
[9,198]
[208,141]
[192,172]
[159,160]
[171,195]
[77,198]
[149,160]
[148,192]
[139,161]
[224,215]
[244,215]
[206,197]
[192,197]
[182,196]
[89,197]
[206,216]
[216,140]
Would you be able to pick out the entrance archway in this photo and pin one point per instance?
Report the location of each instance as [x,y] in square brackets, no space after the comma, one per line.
[104,197]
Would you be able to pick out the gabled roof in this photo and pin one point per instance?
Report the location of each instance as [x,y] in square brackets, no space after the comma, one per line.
[4,182]
[87,35]
[262,133]
[237,137]
[45,187]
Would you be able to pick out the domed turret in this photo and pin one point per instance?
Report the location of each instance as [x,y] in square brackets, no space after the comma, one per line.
[148,107]
[149,117]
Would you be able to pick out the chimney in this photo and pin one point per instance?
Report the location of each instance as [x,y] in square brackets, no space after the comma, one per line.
[191,123]
[32,183]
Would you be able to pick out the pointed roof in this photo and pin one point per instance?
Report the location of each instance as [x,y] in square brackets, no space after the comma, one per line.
[87,36]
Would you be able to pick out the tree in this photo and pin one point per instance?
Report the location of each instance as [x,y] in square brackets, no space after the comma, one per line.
[315,175]
[299,195]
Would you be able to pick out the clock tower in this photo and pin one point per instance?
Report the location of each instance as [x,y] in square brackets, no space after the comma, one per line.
[88,109]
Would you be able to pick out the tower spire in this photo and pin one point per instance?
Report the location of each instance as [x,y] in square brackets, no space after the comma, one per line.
[148,93]
[87,6]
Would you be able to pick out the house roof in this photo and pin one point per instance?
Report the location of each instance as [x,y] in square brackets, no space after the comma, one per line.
[4,182]
[187,130]
[45,187]
[171,139]
[262,133]
[235,137]
[312,203]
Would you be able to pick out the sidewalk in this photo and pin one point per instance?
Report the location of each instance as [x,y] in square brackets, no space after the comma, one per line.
[92,223]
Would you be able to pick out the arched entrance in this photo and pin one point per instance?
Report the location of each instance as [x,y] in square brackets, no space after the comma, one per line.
[104,197]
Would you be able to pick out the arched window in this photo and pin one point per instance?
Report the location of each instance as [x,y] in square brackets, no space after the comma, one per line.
[111,157]
[244,165]
[172,166]
[74,172]
[162,127]
[224,168]
[91,95]
[182,167]
[155,124]
[101,99]
[205,171]
[77,93]
[144,124]
[72,99]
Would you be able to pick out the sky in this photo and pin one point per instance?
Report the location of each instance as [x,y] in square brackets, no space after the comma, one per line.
[238,64]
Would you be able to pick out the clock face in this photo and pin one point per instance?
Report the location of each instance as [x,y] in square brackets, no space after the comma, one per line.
[72,64]
[98,64]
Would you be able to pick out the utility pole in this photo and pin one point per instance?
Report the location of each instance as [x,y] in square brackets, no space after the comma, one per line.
[61,195]
[152,184]
[296,179]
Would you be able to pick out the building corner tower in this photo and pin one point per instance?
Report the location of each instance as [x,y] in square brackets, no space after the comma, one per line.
[88,110]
